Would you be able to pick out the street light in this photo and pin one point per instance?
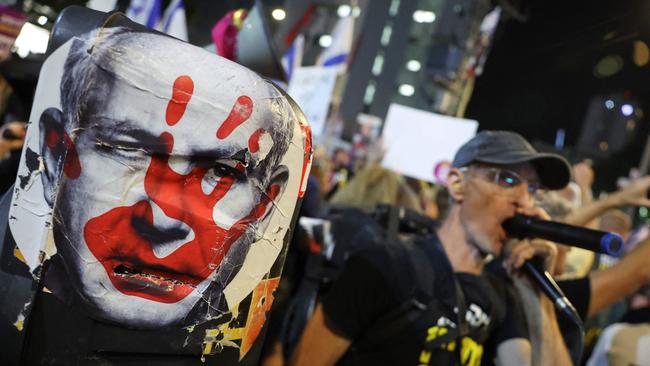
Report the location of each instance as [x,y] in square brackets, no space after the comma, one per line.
[627,110]
[325,40]
[278,14]
[406,90]
[424,16]
[413,65]
[344,10]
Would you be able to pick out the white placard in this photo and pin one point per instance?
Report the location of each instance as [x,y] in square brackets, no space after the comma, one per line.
[311,87]
[419,142]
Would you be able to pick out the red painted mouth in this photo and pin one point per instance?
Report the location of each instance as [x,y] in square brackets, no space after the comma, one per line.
[152,285]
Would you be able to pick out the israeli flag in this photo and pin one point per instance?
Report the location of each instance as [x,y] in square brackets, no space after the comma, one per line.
[292,59]
[337,54]
[145,12]
[174,22]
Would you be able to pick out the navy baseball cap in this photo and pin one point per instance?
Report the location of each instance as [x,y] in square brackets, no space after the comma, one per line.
[505,148]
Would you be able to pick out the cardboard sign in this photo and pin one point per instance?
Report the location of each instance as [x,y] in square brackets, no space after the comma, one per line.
[311,87]
[11,21]
[422,144]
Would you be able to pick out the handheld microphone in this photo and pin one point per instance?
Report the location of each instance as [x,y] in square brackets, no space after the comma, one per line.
[547,284]
[521,226]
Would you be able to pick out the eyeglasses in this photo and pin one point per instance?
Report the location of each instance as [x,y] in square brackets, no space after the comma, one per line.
[508,179]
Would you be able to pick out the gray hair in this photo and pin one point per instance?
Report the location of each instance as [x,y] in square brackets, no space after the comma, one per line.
[87,83]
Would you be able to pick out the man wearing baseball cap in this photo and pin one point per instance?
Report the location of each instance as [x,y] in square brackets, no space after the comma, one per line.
[494,176]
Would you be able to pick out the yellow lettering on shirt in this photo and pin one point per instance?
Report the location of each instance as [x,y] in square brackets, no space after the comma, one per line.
[425,357]
[470,352]
[435,332]
[451,346]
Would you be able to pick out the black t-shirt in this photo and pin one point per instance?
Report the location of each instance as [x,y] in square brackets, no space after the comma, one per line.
[374,282]
[578,291]
[514,324]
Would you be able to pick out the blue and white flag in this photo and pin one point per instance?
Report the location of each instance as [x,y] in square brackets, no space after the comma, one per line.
[174,22]
[338,53]
[292,59]
[145,12]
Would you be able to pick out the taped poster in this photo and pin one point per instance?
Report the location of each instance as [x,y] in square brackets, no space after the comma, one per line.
[157,189]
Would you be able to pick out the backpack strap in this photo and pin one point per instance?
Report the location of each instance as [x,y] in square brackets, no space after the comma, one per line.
[421,303]
[462,326]
[424,272]
[414,259]
[409,311]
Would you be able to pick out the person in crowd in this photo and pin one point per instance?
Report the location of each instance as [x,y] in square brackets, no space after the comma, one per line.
[12,138]
[494,176]
[12,133]
[375,185]
[558,207]
[625,343]
[428,194]
[616,221]
[342,171]
[619,222]
[592,293]
[600,289]
[578,193]
[321,169]
[442,201]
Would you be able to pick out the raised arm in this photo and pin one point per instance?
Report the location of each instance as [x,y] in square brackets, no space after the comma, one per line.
[612,284]
[318,345]
[634,194]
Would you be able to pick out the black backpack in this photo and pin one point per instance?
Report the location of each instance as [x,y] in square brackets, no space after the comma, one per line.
[346,231]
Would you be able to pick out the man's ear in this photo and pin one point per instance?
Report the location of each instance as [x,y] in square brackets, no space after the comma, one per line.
[51,128]
[275,188]
[456,184]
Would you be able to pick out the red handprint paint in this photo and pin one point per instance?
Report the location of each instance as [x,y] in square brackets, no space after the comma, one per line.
[254,140]
[122,246]
[181,95]
[239,113]
[123,239]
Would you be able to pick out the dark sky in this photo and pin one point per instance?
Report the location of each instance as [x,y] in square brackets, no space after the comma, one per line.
[539,74]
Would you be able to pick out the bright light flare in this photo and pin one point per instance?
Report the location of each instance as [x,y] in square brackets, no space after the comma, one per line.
[424,16]
[406,90]
[413,65]
[627,110]
[278,14]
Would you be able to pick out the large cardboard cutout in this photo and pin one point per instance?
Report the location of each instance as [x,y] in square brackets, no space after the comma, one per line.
[158,186]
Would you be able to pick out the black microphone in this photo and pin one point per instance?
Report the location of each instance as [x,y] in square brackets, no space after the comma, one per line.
[521,226]
[544,280]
